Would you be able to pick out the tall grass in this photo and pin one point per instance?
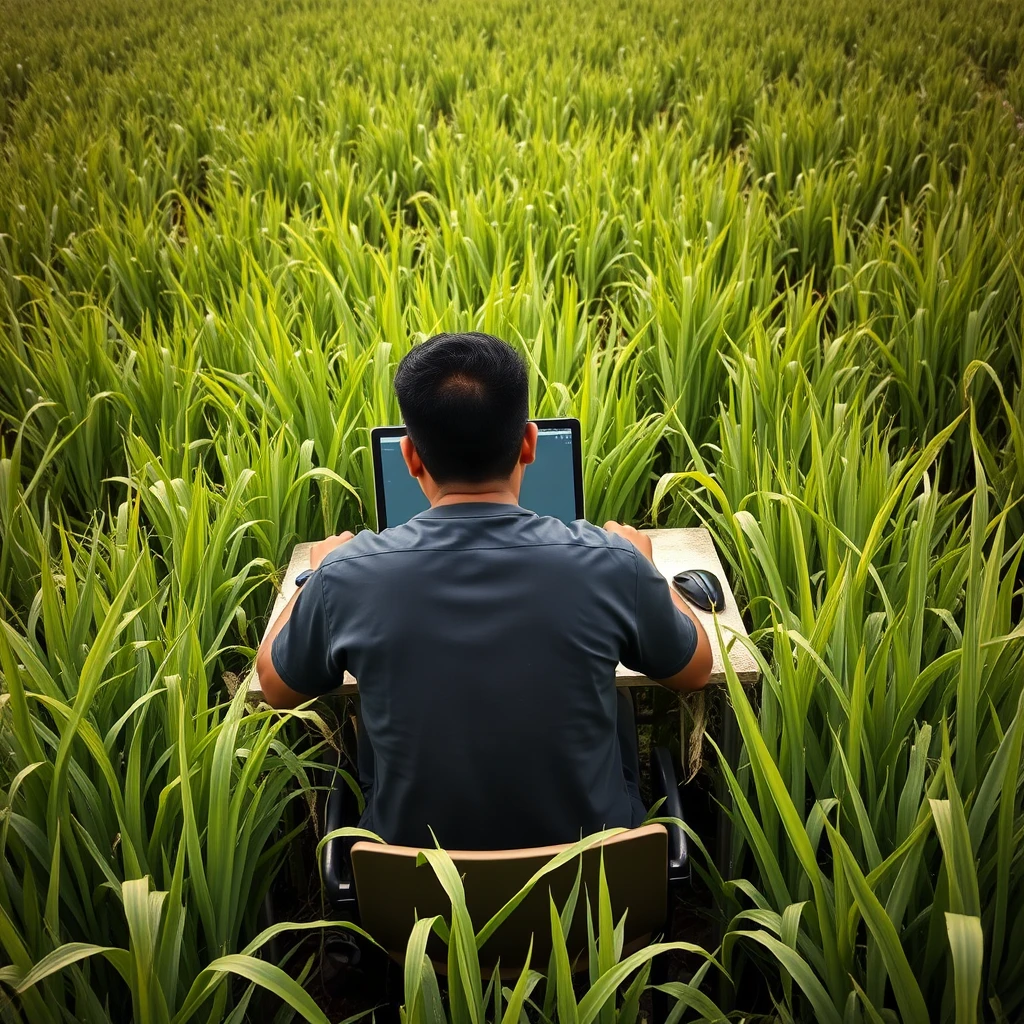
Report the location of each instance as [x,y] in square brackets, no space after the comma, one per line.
[771,256]
[888,728]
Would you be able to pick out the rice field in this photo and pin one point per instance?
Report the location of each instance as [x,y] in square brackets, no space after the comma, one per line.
[771,255]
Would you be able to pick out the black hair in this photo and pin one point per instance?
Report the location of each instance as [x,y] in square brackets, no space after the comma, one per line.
[465,401]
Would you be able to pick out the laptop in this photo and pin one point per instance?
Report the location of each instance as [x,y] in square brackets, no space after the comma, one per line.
[552,484]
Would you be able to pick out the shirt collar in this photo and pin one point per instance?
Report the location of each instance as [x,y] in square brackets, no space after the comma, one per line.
[473,510]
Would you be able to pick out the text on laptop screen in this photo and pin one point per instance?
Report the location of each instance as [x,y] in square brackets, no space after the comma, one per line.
[548,483]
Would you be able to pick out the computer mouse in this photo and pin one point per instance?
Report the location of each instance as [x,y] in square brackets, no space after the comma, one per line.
[701,587]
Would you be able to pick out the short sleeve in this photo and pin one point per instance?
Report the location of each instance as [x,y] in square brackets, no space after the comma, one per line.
[305,653]
[664,638]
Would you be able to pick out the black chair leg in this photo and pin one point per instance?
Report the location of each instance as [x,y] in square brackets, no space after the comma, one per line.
[272,951]
[340,811]
[659,1000]
[340,951]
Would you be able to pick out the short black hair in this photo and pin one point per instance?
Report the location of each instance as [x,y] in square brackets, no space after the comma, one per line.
[465,401]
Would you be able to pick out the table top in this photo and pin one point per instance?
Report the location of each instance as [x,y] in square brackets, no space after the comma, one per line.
[674,550]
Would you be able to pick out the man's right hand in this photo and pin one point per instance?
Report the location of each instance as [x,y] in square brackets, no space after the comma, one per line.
[319,551]
[639,540]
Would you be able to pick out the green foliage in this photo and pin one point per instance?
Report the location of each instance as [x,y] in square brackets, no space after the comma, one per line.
[771,256]
[121,772]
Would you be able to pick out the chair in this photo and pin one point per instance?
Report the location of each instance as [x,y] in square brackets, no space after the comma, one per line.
[382,887]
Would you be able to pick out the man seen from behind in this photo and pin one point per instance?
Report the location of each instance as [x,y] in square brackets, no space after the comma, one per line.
[484,637]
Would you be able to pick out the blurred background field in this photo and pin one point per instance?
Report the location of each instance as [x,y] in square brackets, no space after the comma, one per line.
[770,254]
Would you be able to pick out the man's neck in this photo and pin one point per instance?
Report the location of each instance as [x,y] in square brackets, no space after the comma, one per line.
[458,494]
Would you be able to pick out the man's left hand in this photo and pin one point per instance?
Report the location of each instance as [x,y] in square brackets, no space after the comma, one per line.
[319,551]
[639,540]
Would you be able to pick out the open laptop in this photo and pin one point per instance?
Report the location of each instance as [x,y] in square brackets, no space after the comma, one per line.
[552,484]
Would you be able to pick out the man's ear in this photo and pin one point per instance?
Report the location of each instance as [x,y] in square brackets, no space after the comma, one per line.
[528,452]
[413,462]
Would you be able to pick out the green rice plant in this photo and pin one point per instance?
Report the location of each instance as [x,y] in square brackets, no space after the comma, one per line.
[620,441]
[911,621]
[65,392]
[25,521]
[149,968]
[700,294]
[117,767]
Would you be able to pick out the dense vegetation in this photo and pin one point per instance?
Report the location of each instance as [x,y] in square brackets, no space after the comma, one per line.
[772,255]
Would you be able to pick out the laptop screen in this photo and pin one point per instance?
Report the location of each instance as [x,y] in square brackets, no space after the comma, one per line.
[549,483]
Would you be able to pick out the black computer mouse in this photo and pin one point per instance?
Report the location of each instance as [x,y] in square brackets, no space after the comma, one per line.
[702,588]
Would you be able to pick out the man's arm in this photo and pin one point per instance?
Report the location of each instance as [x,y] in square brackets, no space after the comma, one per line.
[276,692]
[696,672]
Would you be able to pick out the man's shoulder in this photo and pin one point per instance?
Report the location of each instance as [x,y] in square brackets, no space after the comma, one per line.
[581,543]
[538,532]
[364,544]
[585,534]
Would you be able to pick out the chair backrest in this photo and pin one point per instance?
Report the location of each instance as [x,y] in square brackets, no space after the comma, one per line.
[393,892]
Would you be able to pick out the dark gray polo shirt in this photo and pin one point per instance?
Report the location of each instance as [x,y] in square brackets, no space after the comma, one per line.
[484,639]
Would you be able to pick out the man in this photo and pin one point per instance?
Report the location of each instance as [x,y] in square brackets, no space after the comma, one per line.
[484,637]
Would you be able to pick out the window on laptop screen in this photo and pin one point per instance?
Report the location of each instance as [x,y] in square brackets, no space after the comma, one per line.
[548,484]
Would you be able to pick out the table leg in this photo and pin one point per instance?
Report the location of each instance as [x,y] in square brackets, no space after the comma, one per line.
[730,746]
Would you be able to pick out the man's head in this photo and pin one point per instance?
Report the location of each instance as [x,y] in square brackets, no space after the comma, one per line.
[464,399]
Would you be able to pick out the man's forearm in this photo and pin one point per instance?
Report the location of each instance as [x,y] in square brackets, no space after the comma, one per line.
[694,676]
[279,623]
[275,691]
[681,604]
[264,664]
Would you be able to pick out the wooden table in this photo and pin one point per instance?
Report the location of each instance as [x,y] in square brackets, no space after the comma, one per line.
[674,550]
